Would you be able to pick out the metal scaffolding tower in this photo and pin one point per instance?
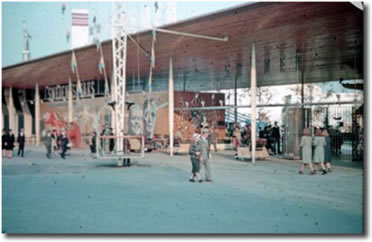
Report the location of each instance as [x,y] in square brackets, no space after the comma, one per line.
[119,53]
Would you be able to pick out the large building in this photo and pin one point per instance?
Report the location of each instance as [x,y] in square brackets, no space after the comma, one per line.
[296,44]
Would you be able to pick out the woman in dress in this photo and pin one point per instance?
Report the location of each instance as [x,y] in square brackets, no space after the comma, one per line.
[327,150]
[319,143]
[237,137]
[306,145]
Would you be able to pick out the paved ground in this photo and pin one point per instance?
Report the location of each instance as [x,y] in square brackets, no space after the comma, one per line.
[83,195]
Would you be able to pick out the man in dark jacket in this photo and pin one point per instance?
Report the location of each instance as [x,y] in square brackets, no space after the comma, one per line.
[64,144]
[10,143]
[276,138]
[21,143]
[93,146]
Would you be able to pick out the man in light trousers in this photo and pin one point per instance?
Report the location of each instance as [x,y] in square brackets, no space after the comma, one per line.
[204,155]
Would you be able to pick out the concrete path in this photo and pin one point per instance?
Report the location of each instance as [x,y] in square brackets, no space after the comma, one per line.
[84,195]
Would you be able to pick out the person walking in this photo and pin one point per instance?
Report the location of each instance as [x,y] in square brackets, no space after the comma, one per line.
[21,143]
[205,155]
[213,138]
[267,137]
[126,147]
[237,137]
[10,143]
[64,144]
[54,142]
[276,138]
[194,152]
[112,140]
[319,143]
[4,139]
[306,145]
[93,145]
[327,150]
[48,144]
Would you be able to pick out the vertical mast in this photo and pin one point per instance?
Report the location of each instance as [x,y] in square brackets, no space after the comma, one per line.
[119,55]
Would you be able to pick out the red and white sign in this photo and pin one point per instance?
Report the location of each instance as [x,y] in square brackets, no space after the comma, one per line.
[79,19]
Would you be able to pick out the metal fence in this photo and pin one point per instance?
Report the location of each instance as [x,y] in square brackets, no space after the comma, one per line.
[345,125]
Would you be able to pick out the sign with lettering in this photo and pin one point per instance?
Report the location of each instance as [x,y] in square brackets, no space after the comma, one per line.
[60,92]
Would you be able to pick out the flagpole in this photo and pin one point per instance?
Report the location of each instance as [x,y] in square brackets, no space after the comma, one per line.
[253,98]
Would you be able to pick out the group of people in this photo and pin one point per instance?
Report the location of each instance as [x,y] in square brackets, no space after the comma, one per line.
[317,150]
[55,142]
[107,144]
[200,154]
[241,138]
[9,142]
[271,135]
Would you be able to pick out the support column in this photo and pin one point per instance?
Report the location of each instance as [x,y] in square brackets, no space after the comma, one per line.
[37,113]
[238,73]
[171,107]
[253,98]
[12,111]
[27,124]
[27,117]
[70,101]
[235,100]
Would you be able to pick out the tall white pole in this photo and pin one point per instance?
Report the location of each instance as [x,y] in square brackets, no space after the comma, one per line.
[253,98]
[70,106]
[37,113]
[171,106]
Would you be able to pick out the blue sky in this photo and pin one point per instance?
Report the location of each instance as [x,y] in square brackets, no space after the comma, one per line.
[48,26]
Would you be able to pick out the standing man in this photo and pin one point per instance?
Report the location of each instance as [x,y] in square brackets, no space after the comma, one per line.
[112,141]
[276,138]
[64,144]
[48,144]
[21,143]
[204,155]
[93,146]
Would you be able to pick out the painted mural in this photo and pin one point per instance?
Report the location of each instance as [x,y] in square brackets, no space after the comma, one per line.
[188,120]
[143,113]
[146,115]
[55,117]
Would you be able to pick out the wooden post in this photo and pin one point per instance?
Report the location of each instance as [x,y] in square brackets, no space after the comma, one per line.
[171,107]
[253,98]
[37,113]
